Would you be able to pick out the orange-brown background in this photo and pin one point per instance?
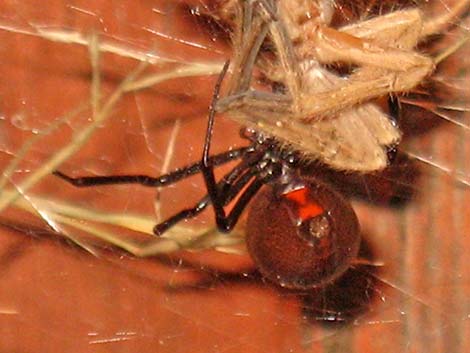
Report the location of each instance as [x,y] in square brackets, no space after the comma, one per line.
[56,297]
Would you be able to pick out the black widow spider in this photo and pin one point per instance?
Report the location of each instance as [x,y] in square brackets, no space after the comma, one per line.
[300,232]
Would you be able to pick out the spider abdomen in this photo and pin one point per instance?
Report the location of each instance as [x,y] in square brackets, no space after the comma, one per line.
[303,238]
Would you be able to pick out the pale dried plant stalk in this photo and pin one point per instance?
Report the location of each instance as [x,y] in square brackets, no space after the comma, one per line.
[57,213]
[92,221]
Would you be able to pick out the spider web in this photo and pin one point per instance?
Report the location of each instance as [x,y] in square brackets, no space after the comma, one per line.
[94,296]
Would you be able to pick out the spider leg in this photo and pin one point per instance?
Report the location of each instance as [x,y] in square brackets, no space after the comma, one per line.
[227,191]
[162,227]
[394,108]
[219,194]
[227,185]
[225,222]
[163,180]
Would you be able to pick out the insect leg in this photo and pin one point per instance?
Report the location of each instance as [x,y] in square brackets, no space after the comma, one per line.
[287,57]
[249,35]
[437,24]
